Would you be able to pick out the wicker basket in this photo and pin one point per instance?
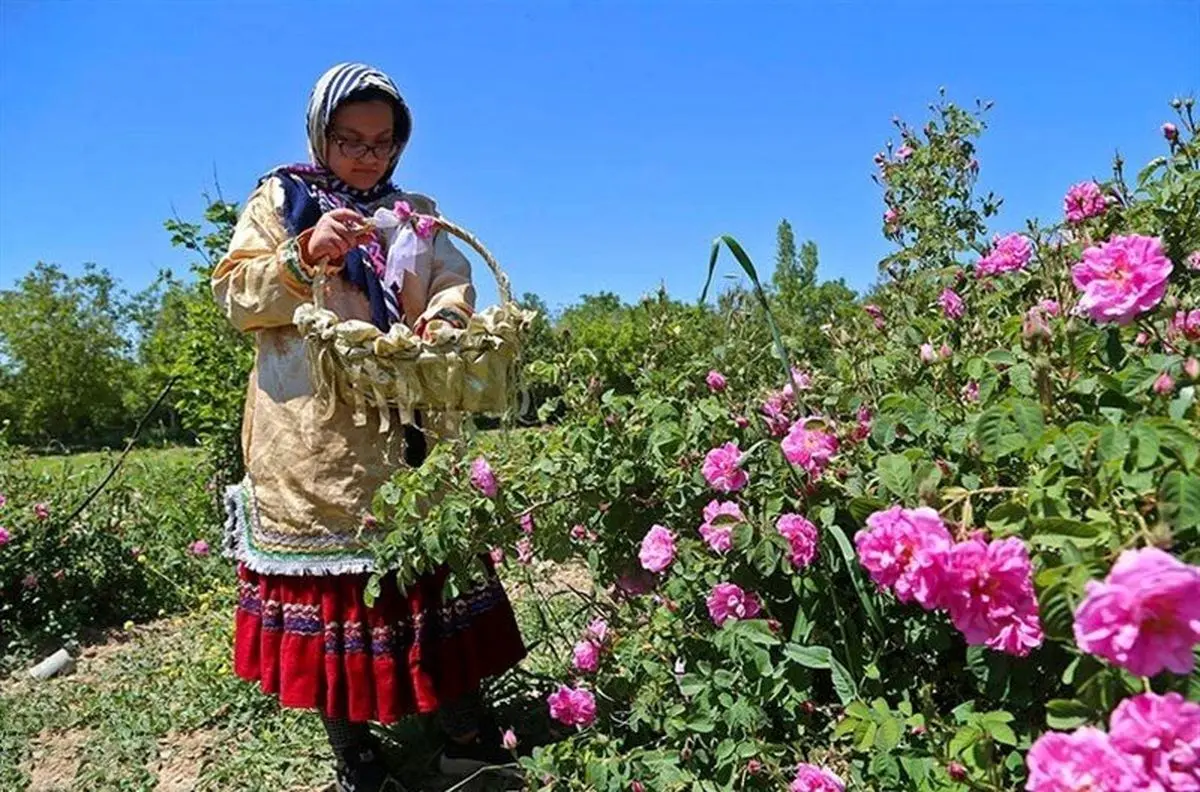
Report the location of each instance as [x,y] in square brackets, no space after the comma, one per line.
[452,373]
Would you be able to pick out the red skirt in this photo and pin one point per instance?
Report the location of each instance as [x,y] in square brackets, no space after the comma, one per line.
[313,642]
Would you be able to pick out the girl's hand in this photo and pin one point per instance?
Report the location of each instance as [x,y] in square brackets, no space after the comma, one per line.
[334,234]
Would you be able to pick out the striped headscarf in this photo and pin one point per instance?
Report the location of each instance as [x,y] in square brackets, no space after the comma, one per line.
[334,87]
[312,189]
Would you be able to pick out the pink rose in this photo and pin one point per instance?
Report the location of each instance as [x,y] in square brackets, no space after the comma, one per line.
[811,778]
[926,353]
[572,706]
[801,536]
[525,550]
[776,410]
[719,521]
[1050,307]
[905,550]
[741,422]
[716,381]
[198,548]
[810,449]
[1193,260]
[658,549]
[3,500]
[1122,278]
[526,521]
[952,304]
[1009,253]
[5,536]
[970,391]
[722,469]
[586,657]
[903,153]
[1084,200]
[945,353]
[729,601]
[1185,324]
[988,590]
[1191,367]
[41,511]
[497,555]
[1164,385]
[483,478]
[956,771]
[1145,616]
[425,226]
[597,630]
[1036,325]
[1170,132]
[30,581]
[1082,760]
[509,740]
[1161,733]
[890,216]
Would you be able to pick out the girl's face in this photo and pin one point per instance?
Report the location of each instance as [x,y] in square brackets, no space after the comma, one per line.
[361,142]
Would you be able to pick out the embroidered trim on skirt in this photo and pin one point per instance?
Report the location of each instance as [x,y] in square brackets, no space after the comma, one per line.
[312,641]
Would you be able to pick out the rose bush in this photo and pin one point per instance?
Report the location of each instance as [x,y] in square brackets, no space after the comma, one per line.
[865,566]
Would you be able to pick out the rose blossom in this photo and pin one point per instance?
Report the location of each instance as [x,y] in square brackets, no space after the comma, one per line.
[722,469]
[716,381]
[41,511]
[905,550]
[509,740]
[1122,278]
[988,590]
[1145,616]
[572,706]
[1082,201]
[810,449]
[1161,733]
[970,391]
[483,478]
[586,657]
[801,536]
[597,630]
[926,353]
[5,536]
[719,520]
[658,549]
[1080,761]
[198,548]
[729,601]
[1009,253]
[811,778]
[1170,131]
[1164,385]
[952,304]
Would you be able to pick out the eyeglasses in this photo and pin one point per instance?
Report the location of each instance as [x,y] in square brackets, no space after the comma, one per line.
[356,149]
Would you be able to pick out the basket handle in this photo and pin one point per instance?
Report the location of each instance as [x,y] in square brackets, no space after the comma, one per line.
[502,282]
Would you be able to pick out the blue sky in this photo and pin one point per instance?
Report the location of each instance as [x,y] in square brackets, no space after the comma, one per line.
[592,146]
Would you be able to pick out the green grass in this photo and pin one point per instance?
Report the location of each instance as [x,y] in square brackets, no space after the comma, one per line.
[95,464]
[160,700]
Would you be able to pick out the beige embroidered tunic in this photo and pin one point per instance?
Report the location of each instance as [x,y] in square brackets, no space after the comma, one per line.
[309,479]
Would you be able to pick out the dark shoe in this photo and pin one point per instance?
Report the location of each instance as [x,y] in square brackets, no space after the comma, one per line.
[462,759]
[364,771]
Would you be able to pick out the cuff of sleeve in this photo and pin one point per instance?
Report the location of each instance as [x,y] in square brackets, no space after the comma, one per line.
[292,270]
[455,316]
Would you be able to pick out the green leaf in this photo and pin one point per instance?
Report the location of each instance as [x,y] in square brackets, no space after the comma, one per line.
[1056,531]
[1146,440]
[808,656]
[1028,415]
[963,739]
[843,684]
[864,506]
[1067,713]
[856,577]
[1114,443]
[1179,501]
[1007,519]
[896,473]
[889,734]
